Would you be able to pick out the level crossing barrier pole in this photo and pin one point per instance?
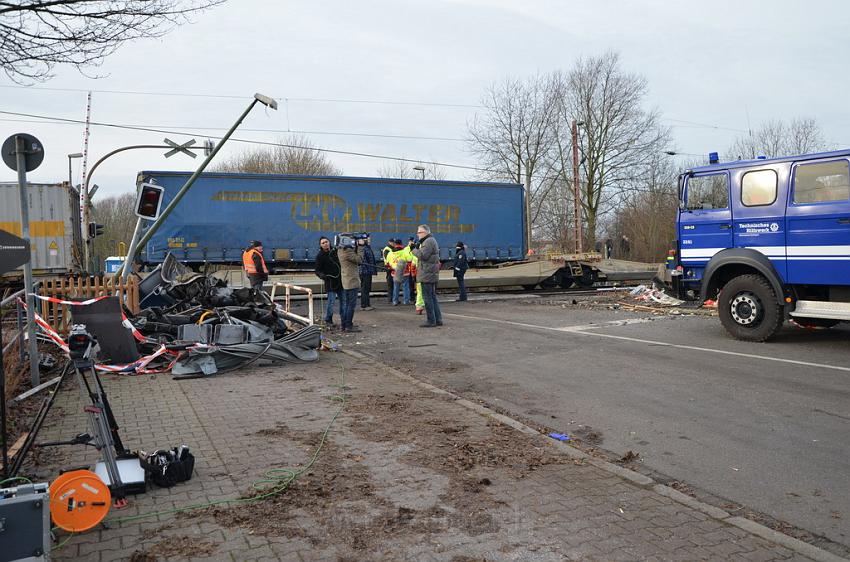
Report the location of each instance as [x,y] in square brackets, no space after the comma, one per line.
[21,149]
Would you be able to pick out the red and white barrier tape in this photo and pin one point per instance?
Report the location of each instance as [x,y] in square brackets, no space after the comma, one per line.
[124,320]
[138,367]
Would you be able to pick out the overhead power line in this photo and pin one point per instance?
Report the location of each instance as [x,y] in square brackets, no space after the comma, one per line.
[322,100]
[65,120]
[224,96]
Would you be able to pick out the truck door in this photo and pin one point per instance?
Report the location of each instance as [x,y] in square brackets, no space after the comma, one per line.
[705,223]
[818,223]
[758,211]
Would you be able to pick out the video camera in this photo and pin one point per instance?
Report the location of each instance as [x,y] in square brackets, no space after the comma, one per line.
[81,344]
[349,239]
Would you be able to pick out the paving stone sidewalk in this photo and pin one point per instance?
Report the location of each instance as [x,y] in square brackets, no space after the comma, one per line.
[404,474]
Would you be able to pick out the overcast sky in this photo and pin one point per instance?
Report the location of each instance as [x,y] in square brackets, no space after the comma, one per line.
[714,69]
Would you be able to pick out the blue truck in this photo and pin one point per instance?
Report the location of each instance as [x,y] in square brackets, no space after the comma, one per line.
[768,239]
[223,212]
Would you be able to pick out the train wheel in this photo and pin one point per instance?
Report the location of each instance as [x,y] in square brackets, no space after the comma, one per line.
[588,277]
[566,282]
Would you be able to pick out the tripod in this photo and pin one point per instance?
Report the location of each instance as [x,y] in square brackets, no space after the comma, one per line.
[102,425]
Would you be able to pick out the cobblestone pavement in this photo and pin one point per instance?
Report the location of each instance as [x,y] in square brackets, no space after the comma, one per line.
[405,474]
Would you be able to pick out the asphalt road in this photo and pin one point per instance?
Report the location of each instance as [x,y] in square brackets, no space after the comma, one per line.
[765,425]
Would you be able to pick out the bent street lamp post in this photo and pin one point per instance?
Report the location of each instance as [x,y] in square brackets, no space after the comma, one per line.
[137,242]
[90,194]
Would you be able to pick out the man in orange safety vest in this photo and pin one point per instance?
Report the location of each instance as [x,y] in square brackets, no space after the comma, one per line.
[255,264]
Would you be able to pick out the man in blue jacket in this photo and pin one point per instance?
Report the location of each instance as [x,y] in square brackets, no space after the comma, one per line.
[367,270]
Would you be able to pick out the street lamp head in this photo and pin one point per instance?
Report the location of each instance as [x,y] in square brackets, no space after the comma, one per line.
[76,155]
[670,152]
[419,168]
[266,100]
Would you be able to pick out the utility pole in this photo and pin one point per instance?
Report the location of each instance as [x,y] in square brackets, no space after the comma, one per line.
[576,192]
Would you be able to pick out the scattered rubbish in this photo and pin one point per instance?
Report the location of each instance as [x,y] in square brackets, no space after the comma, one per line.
[422,345]
[710,303]
[644,293]
[559,436]
[735,469]
[630,456]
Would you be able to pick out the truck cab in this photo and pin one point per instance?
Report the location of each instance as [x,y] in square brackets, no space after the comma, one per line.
[768,239]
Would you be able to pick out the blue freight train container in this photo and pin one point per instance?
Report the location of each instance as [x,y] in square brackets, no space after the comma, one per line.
[222,212]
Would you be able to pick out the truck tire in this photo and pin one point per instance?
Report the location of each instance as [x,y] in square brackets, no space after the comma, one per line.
[749,309]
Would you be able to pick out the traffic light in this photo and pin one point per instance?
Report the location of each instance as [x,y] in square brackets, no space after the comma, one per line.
[149,201]
[95,230]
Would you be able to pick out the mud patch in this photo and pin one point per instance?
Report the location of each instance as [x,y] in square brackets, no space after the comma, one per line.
[176,546]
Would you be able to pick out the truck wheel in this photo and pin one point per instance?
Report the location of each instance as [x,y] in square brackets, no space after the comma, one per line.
[749,309]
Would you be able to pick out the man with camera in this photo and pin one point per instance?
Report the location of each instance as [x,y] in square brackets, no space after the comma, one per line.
[428,273]
[349,261]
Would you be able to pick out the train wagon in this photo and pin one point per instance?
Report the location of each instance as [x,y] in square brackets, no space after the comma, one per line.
[223,212]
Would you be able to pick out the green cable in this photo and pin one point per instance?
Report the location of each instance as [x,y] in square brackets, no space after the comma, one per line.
[13,478]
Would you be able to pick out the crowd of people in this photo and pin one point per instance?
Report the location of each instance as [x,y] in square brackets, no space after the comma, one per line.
[412,272]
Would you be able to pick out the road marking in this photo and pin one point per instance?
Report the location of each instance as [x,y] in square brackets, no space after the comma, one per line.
[574,330]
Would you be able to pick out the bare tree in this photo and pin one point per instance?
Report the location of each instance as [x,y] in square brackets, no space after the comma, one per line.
[647,215]
[618,139]
[295,155]
[514,135]
[36,35]
[778,138]
[116,215]
[398,169]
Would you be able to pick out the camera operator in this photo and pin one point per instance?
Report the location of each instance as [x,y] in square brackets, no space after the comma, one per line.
[349,261]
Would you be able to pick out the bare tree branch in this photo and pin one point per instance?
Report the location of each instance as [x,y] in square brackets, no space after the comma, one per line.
[36,35]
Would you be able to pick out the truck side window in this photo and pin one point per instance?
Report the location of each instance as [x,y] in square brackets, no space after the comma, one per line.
[708,192]
[822,182]
[758,188]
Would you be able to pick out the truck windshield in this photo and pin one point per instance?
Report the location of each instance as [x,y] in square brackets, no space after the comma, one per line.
[707,192]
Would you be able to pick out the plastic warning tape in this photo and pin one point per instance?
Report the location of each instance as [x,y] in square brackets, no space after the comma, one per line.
[138,366]
[124,320]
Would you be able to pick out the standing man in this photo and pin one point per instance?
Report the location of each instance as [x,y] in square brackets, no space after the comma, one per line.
[609,249]
[328,270]
[367,270]
[385,252]
[428,273]
[461,265]
[255,264]
[625,247]
[349,261]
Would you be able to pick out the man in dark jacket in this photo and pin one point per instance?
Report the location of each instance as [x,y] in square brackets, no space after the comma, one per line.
[390,247]
[367,270]
[460,267]
[328,269]
[428,273]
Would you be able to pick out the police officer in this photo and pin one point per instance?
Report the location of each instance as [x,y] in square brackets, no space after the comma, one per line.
[255,264]
[460,266]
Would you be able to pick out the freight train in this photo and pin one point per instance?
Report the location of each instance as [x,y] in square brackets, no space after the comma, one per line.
[223,212]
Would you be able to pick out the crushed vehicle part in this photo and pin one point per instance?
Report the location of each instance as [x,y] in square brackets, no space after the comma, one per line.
[297,347]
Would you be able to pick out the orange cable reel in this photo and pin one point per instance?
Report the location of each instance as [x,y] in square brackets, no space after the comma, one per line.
[79,500]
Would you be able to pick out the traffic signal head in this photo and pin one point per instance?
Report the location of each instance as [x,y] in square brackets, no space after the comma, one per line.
[95,230]
[149,201]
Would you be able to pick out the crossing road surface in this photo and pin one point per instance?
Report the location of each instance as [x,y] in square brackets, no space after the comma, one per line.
[765,425]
